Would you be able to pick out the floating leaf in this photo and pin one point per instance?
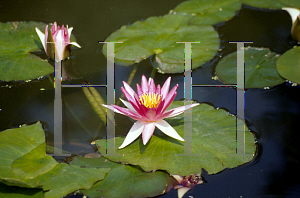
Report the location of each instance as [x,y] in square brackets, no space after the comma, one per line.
[158,35]
[123,180]
[267,4]
[24,163]
[17,40]
[66,179]
[288,65]
[213,145]
[209,12]
[291,3]
[260,68]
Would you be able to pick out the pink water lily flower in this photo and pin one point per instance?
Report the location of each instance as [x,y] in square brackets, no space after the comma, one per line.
[59,41]
[148,106]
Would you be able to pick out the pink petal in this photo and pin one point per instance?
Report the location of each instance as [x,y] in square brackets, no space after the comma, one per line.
[128,105]
[144,84]
[59,45]
[139,90]
[135,108]
[151,114]
[148,131]
[125,111]
[158,90]
[178,110]
[169,98]
[160,107]
[143,109]
[66,35]
[130,90]
[113,109]
[165,88]
[135,131]
[163,116]
[63,35]
[167,129]
[54,30]
[151,86]
[129,113]
[129,97]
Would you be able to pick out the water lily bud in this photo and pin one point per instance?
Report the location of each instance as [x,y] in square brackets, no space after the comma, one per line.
[296,29]
[56,41]
[295,16]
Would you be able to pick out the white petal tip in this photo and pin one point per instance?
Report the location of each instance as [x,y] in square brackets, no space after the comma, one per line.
[123,145]
[178,178]
[41,36]
[182,191]
[76,44]
[39,32]
[293,12]
[121,100]
[179,138]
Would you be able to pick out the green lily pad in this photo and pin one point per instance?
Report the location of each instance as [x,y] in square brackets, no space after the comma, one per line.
[267,4]
[123,180]
[209,12]
[158,36]
[291,3]
[17,40]
[260,68]
[288,65]
[213,145]
[24,163]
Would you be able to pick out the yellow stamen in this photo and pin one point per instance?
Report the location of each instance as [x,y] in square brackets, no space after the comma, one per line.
[150,100]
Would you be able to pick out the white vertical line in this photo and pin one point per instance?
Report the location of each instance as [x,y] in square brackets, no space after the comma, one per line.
[110,98]
[188,97]
[240,100]
[57,109]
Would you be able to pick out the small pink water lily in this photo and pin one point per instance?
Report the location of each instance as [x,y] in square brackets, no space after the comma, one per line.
[59,41]
[148,106]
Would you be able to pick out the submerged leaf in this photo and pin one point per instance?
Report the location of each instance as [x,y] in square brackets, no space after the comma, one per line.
[260,68]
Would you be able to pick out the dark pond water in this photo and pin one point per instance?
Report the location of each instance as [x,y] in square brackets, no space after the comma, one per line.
[273,114]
